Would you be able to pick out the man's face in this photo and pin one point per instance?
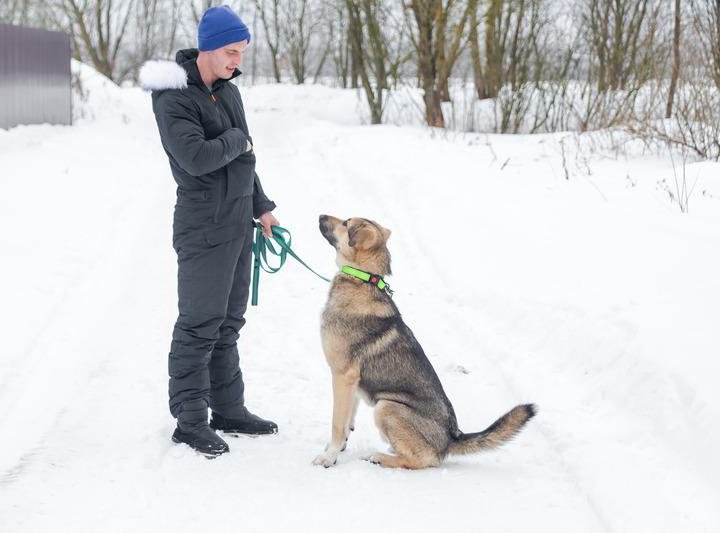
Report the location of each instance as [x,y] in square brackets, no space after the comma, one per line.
[226,59]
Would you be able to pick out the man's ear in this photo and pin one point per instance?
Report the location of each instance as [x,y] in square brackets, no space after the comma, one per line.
[360,237]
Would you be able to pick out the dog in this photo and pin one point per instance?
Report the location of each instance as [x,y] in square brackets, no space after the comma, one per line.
[373,354]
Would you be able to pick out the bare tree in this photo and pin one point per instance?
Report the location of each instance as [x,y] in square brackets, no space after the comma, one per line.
[516,64]
[497,30]
[270,16]
[437,31]
[254,51]
[451,37]
[97,29]
[147,38]
[694,125]
[371,40]
[301,19]
[676,60]
[706,21]
[198,7]
[16,12]
[477,63]
[622,41]
[625,46]
[338,36]
[35,13]
[326,51]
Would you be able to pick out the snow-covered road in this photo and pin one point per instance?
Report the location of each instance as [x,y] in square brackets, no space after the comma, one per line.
[594,298]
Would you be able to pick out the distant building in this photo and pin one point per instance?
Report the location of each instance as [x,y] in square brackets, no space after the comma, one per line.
[34,76]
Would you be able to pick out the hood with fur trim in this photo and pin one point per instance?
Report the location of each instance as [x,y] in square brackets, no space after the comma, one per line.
[161,75]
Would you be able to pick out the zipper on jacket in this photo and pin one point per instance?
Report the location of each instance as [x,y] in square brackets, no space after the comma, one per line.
[212,96]
[218,186]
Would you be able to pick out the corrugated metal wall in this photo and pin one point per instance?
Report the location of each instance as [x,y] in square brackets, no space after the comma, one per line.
[34,76]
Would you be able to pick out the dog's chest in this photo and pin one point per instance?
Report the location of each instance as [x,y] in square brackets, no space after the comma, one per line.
[335,341]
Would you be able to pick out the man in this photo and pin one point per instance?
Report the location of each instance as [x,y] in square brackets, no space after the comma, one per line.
[203,130]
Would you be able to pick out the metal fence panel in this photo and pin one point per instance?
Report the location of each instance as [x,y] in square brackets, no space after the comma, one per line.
[34,76]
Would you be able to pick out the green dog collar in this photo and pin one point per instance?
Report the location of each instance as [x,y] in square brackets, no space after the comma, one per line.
[372,279]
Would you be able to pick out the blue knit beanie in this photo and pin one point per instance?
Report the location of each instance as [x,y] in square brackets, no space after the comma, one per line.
[220,26]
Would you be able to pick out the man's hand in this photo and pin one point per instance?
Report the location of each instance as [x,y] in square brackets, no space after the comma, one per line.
[267,220]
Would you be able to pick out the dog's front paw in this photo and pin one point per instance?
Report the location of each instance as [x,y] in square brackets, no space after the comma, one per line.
[325,459]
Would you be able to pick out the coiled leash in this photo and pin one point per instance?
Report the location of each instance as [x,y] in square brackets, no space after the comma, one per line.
[262,246]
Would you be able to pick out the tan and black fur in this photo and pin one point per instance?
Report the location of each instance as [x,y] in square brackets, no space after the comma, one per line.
[373,354]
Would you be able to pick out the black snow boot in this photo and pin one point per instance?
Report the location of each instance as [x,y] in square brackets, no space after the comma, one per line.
[203,440]
[246,423]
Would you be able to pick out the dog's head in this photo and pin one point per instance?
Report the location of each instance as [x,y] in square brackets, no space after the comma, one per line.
[359,242]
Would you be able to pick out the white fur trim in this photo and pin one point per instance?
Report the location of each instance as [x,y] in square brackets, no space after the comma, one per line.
[159,75]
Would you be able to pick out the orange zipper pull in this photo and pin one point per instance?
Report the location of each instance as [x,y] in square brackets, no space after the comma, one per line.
[212,96]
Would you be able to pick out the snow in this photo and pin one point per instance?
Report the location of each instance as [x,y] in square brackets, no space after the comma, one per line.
[594,297]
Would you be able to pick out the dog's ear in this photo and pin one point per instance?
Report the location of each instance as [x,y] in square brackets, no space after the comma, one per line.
[360,237]
[386,234]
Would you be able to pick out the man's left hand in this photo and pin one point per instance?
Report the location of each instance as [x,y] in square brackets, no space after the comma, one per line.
[268,220]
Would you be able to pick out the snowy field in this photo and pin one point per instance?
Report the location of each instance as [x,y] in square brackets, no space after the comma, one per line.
[594,297]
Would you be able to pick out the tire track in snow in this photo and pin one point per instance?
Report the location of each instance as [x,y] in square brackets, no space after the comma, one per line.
[48,380]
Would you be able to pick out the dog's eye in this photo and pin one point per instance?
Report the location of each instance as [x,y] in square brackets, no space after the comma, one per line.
[345,223]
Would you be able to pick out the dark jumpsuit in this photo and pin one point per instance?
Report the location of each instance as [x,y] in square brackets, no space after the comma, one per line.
[205,135]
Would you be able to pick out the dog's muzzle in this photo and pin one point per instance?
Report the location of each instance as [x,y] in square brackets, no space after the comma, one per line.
[326,229]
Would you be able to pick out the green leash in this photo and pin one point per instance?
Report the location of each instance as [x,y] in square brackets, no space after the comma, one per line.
[262,246]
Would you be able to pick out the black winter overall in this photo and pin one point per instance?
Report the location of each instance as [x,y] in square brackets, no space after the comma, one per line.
[206,138]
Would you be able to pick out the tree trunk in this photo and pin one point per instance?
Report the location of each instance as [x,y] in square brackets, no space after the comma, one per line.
[480,87]
[424,14]
[493,48]
[273,46]
[676,62]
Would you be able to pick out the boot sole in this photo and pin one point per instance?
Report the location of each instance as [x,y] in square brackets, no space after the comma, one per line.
[246,433]
[207,455]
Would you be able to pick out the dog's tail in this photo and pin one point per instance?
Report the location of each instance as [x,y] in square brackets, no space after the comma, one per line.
[501,431]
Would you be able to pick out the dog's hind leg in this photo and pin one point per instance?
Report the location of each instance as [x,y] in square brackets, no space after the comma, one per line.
[344,393]
[394,420]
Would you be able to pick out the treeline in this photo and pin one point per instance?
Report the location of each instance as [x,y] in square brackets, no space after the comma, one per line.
[651,67]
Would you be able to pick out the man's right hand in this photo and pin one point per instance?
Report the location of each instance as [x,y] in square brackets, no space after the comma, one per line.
[268,220]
